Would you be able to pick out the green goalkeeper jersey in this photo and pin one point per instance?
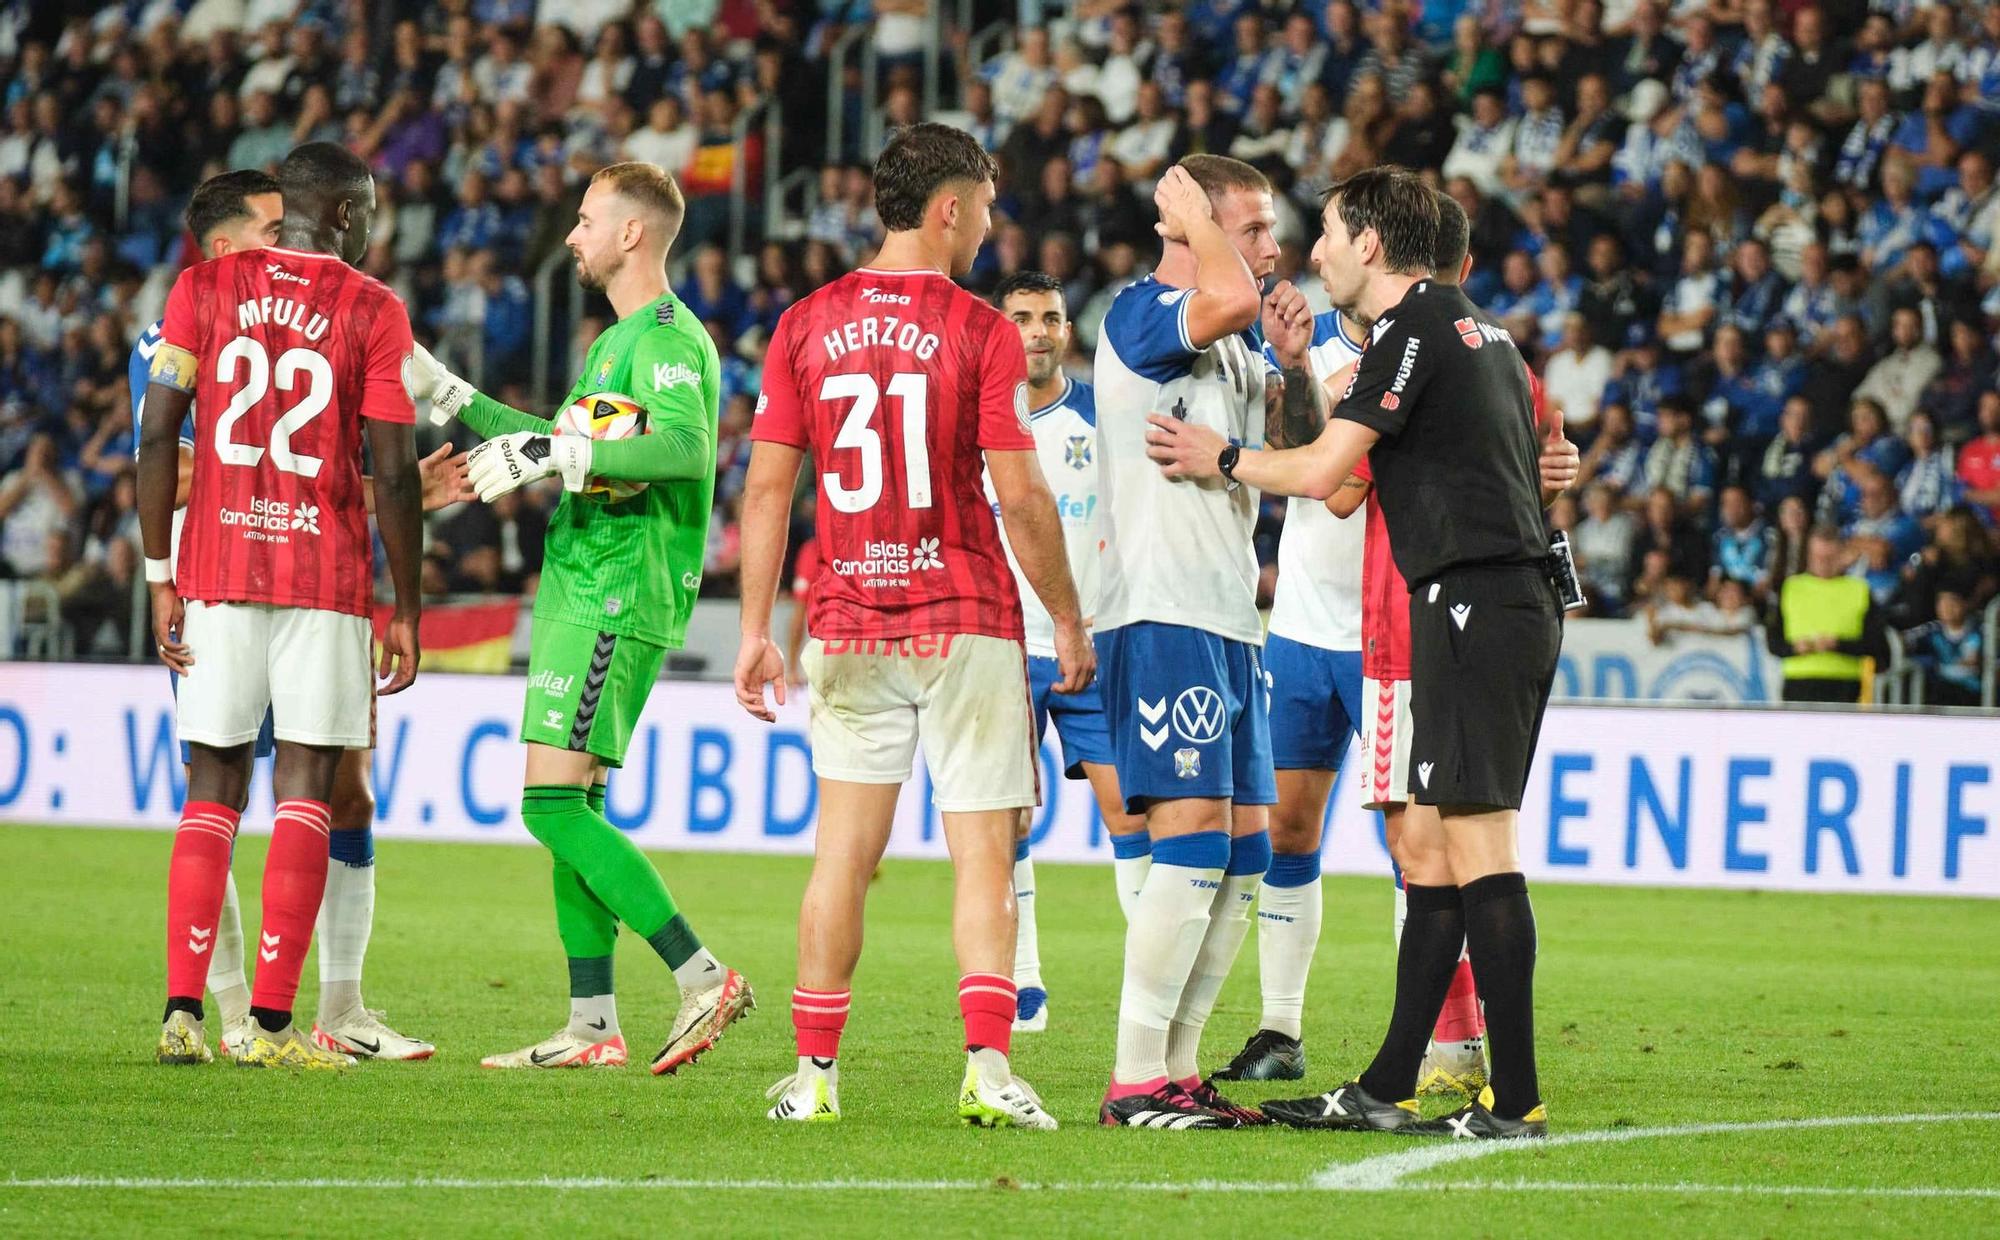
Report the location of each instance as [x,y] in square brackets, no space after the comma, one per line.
[633,567]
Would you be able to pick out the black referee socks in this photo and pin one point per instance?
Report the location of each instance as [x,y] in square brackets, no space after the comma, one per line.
[1500,938]
[1433,935]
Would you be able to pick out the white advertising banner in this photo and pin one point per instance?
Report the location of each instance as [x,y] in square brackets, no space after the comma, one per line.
[1637,795]
[1614,660]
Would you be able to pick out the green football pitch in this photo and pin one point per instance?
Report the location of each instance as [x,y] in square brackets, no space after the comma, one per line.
[1715,1064]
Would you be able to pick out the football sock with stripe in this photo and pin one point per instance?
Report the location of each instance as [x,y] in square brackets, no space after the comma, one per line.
[346,916]
[196,878]
[1289,910]
[1228,923]
[818,1019]
[226,981]
[619,875]
[1027,948]
[1500,936]
[986,1003]
[1432,938]
[593,1006]
[1164,936]
[1131,857]
[294,884]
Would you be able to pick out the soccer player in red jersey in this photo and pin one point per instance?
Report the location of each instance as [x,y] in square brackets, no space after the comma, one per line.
[900,383]
[1456,1062]
[286,352]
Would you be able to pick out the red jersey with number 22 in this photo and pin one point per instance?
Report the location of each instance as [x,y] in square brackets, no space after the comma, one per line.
[1385,596]
[896,382]
[294,350]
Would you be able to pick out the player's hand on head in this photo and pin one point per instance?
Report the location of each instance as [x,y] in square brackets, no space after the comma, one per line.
[400,655]
[759,666]
[446,478]
[169,621]
[1183,450]
[428,380]
[1181,202]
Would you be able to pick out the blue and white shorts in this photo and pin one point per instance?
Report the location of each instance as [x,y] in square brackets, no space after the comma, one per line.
[1188,715]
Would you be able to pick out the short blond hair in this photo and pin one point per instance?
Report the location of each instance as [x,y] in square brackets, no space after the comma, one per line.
[652,189]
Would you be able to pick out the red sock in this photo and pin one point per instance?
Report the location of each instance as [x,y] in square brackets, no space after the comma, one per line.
[294,881]
[818,1016]
[1460,1019]
[987,1001]
[195,880]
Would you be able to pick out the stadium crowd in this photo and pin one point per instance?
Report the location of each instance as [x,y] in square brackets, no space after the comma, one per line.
[1750,244]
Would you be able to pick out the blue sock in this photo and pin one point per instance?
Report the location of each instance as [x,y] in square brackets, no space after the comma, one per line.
[1198,850]
[1250,854]
[1133,844]
[1292,869]
[351,847]
[1020,850]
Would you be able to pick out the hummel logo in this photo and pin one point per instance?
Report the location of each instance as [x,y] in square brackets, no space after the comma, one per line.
[199,933]
[1154,737]
[1151,711]
[1460,613]
[270,951]
[1424,772]
[197,948]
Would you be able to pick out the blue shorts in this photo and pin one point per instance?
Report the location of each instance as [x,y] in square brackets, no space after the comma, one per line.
[267,739]
[1188,715]
[1079,717]
[1315,703]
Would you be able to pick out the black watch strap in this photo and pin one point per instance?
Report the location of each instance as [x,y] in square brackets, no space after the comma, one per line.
[1225,461]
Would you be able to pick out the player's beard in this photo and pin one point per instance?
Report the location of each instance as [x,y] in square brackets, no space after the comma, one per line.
[1042,366]
[596,277]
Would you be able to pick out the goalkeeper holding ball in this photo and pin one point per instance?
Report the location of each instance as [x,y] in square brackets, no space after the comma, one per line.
[618,581]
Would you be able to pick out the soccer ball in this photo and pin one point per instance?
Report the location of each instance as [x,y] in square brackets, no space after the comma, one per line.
[606,415]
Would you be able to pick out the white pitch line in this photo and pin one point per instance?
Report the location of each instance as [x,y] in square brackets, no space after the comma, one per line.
[1390,1170]
[1925,1191]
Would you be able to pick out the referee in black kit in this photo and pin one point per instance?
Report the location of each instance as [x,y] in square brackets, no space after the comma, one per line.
[1440,404]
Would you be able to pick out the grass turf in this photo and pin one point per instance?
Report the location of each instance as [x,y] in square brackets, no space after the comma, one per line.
[1658,1008]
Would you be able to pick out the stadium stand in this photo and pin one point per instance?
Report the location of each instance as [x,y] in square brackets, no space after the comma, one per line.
[1750,243]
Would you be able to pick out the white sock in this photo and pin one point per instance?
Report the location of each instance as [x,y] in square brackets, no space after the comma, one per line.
[1402,913]
[1130,875]
[1288,920]
[585,1011]
[225,962]
[992,1066]
[701,971]
[1228,922]
[1168,921]
[346,916]
[1027,948]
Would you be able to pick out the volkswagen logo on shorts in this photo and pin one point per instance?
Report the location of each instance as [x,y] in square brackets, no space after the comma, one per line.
[1198,714]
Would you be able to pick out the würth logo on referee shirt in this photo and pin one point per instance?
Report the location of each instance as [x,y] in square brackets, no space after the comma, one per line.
[1475,333]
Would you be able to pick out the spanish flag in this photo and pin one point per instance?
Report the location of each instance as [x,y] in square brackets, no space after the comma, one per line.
[461,637]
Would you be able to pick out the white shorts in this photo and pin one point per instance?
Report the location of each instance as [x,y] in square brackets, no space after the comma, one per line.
[1385,735]
[964,695]
[310,668]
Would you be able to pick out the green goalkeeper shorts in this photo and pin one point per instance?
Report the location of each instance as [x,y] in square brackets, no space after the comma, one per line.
[586,688]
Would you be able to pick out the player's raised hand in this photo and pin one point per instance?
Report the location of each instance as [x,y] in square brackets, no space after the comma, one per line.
[399,655]
[1560,461]
[507,462]
[759,666]
[1075,657]
[169,619]
[1288,321]
[1182,203]
[1183,450]
[445,478]
[426,379]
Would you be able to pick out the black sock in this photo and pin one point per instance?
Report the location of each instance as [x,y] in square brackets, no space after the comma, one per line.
[271,1020]
[1433,936]
[1500,938]
[191,1006]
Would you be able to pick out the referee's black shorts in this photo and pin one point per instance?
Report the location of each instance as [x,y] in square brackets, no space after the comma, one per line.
[1483,646]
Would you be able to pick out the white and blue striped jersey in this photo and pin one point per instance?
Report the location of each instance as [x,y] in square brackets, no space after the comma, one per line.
[1318,600]
[138,374]
[1065,432]
[1175,551]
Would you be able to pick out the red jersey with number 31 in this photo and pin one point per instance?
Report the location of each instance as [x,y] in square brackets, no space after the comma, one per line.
[293,351]
[1385,596]
[896,382]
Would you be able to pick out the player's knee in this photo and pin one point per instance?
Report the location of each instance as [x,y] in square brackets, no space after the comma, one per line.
[353,808]
[1294,833]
